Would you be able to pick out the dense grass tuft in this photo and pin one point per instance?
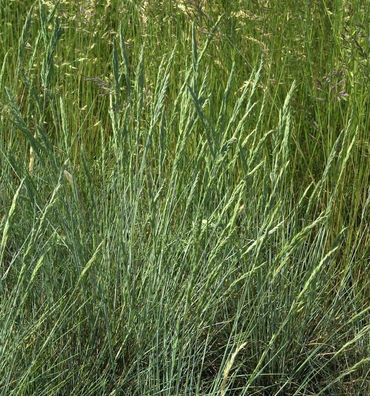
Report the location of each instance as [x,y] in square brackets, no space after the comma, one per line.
[184,198]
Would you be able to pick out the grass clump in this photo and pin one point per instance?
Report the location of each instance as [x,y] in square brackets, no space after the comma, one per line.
[184,198]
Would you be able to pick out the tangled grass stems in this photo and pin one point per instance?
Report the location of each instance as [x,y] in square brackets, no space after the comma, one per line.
[176,221]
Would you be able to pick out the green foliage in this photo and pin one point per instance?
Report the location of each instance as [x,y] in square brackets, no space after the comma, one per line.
[184,197]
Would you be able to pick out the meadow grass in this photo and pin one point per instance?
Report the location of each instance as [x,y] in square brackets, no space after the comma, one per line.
[184,197]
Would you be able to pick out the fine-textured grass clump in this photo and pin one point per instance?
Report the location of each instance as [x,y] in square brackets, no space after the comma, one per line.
[184,197]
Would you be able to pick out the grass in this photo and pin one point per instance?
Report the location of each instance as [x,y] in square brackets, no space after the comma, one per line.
[184,198]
